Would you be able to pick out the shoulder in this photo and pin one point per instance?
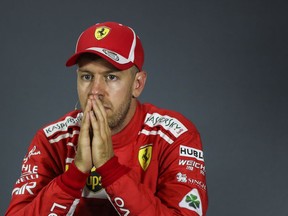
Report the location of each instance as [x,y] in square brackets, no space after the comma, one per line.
[56,138]
[172,128]
[67,123]
[168,120]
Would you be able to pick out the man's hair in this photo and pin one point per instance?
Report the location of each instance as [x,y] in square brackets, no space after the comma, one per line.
[89,56]
[94,57]
[134,69]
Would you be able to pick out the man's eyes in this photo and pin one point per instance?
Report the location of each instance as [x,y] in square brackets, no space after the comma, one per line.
[111,77]
[86,77]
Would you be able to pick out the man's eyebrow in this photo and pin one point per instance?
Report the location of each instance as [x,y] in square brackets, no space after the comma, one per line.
[83,70]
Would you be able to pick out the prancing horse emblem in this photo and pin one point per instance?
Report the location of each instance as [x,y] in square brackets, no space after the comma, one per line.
[144,156]
[101,32]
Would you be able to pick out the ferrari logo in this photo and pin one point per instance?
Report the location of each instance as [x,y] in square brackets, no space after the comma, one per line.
[144,156]
[101,32]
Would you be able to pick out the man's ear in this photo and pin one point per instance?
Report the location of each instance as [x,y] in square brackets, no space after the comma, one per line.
[139,83]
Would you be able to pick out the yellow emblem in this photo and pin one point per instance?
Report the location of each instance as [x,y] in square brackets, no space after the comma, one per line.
[93,182]
[144,156]
[101,32]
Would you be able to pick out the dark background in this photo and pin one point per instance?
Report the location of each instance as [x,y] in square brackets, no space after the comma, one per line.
[223,64]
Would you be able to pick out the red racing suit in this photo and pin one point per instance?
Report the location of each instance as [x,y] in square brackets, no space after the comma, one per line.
[158,169]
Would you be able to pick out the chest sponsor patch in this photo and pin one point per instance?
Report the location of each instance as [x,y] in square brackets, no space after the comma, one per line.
[170,124]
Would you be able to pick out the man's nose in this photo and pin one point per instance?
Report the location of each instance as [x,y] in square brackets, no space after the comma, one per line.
[98,88]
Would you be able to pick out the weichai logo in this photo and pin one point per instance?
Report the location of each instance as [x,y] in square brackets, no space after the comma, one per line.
[93,182]
[191,164]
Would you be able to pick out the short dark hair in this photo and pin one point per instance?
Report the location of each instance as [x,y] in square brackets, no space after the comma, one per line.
[89,56]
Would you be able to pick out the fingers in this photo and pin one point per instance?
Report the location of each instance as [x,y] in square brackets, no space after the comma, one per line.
[83,159]
[99,110]
[101,117]
[85,124]
[98,149]
[95,124]
[102,149]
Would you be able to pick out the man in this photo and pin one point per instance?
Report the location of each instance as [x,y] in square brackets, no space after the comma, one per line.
[115,156]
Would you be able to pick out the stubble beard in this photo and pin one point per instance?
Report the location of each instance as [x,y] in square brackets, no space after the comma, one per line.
[117,119]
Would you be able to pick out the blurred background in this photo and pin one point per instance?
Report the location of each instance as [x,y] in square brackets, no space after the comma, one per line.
[223,64]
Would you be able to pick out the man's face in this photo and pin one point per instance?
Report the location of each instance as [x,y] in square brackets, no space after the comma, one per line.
[113,87]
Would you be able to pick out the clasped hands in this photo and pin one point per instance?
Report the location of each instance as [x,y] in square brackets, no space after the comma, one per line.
[94,143]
